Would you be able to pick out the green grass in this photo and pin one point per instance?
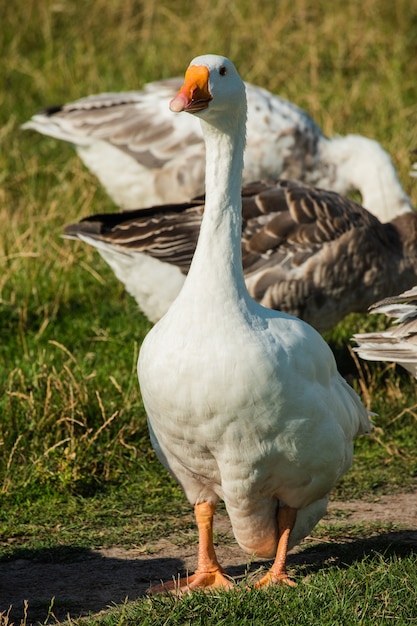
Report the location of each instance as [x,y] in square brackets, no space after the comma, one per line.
[365,592]
[76,466]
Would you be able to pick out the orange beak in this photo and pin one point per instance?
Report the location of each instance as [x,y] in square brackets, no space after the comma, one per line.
[194,95]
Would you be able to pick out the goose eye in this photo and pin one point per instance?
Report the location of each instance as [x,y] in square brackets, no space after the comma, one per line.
[222,71]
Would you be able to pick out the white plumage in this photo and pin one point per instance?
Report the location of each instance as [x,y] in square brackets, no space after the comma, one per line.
[244,403]
[398,343]
[143,154]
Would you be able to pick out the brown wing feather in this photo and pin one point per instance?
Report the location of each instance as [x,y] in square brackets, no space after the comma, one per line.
[166,233]
[306,251]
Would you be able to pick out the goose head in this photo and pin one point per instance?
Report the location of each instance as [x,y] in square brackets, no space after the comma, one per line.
[211,87]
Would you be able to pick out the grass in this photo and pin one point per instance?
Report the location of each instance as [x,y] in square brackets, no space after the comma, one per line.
[333,597]
[76,466]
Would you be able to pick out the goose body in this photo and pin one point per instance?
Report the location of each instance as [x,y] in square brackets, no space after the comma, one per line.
[145,155]
[305,251]
[244,404]
[398,343]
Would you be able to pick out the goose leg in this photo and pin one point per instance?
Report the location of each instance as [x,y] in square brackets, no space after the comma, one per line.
[277,575]
[209,573]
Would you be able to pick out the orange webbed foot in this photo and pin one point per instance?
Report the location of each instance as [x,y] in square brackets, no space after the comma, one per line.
[200,580]
[273,579]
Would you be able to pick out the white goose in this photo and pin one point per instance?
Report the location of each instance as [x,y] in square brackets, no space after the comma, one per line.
[244,403]
[397,344]
[306,251]
[145,155]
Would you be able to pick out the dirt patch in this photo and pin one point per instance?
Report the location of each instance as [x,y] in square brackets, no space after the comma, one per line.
[92,580]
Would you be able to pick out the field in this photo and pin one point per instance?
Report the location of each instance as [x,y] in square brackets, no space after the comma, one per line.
[77,471]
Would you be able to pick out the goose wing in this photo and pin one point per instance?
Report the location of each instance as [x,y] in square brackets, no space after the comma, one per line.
[397,344]
[306,251]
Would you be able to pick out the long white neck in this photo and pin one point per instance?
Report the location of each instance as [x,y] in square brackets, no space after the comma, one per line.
[364,165]
[217,262]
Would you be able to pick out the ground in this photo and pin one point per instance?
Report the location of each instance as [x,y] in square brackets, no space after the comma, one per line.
[95,579]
